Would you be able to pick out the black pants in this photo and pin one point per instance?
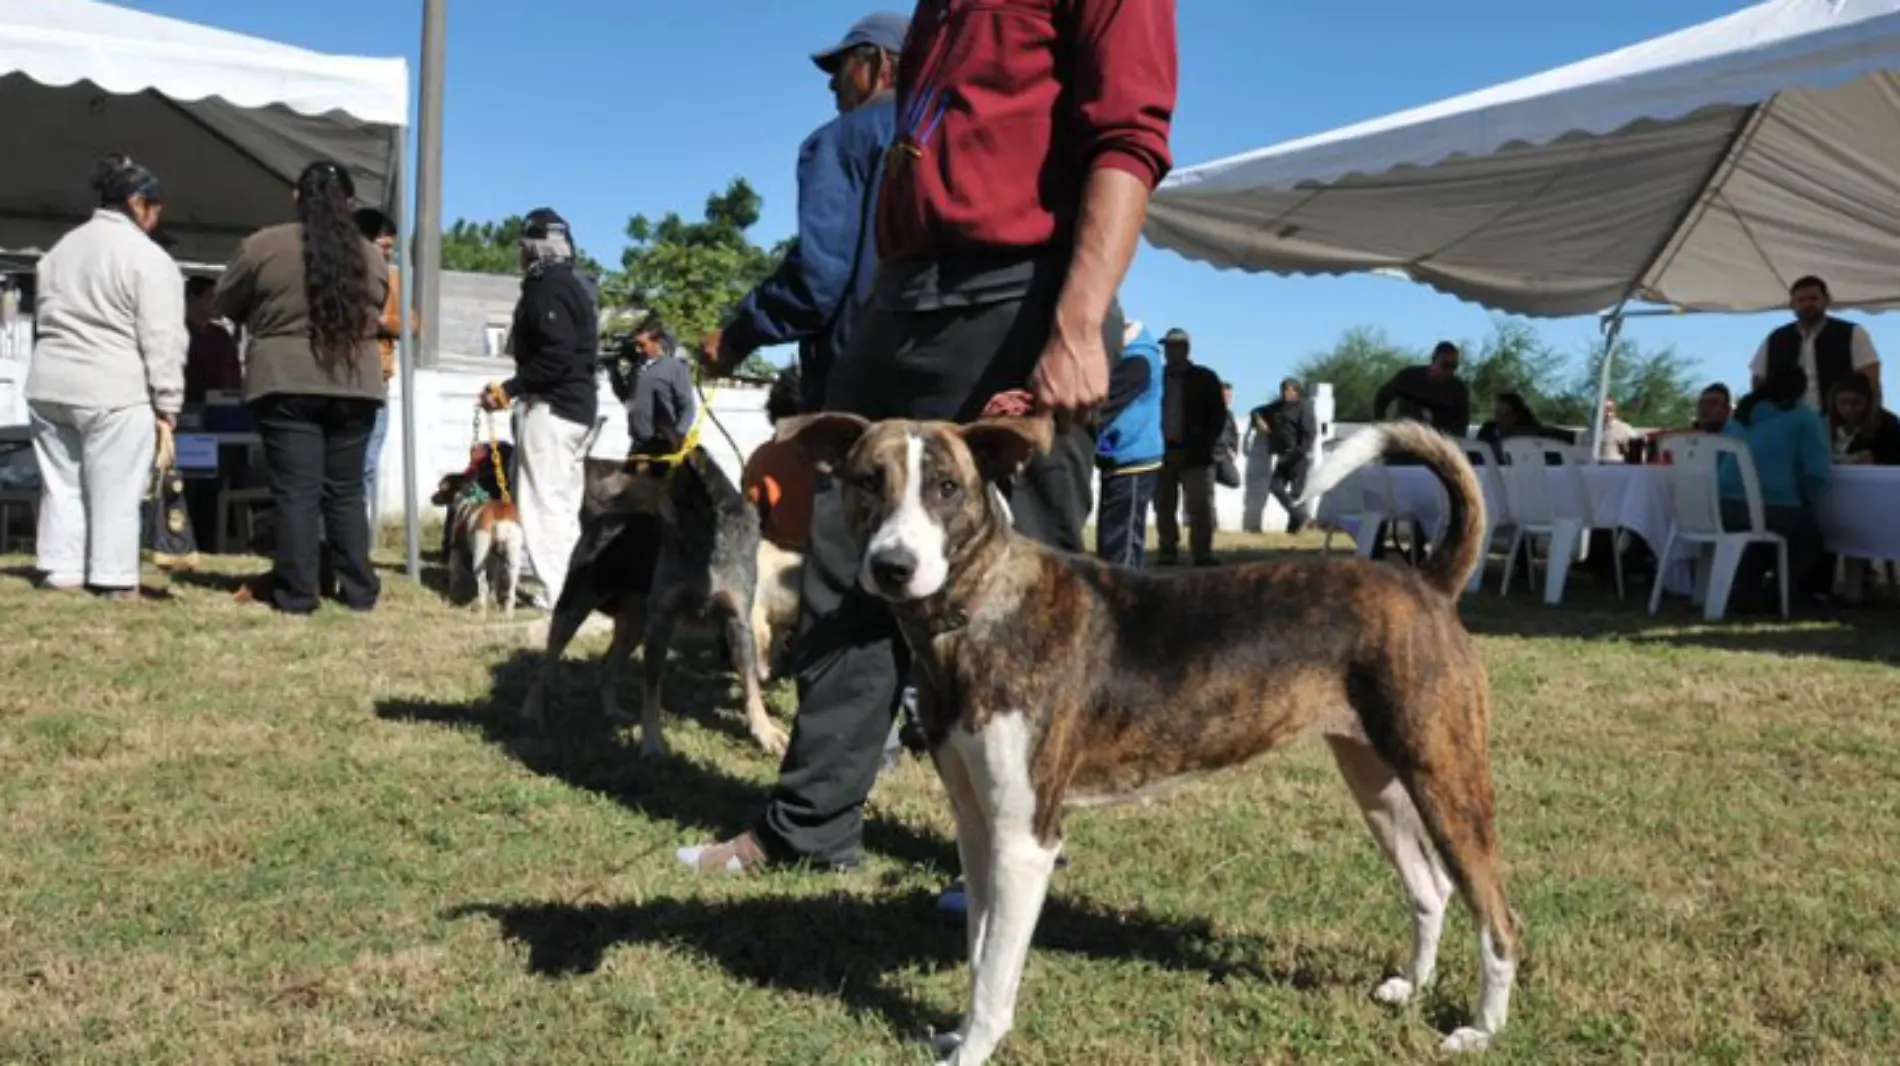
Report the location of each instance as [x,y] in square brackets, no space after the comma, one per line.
[1807,549]
[849,657]
[1289,480]
[1121,520]
[316,447]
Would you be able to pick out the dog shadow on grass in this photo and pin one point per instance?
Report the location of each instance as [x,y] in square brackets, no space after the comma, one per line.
[843,946]
[578,746]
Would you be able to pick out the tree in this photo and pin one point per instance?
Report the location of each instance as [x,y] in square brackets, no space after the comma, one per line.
[1651,388]
[692,274]
[1514,359]
[1357,366]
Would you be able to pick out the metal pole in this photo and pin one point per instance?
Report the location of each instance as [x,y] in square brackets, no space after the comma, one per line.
[406,366]
[427,233]
[1612,328]
[429,179]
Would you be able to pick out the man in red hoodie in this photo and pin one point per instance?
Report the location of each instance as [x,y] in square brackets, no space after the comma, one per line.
[1029,137]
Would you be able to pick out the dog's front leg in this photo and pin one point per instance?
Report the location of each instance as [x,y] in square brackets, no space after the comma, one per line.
[1017,874]
[653,670]
[745,659]
[973,848]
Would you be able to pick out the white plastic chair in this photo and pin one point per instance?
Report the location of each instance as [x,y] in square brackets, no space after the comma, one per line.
[1536,515]
[1694,461]
[1497,513]
[1364,499]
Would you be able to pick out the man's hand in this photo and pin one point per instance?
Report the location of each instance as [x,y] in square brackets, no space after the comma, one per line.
[166,450]
[1071,378]
[493,398]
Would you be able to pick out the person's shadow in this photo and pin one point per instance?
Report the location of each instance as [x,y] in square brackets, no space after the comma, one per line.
[841,946]
[578,746]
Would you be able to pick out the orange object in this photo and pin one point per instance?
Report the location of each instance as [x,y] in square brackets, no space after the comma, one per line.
[779,482]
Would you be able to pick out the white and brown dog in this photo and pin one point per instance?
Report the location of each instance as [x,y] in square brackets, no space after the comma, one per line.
[484,535]
[1049,681]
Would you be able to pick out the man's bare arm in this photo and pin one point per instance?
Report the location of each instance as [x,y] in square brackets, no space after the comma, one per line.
[1114,206]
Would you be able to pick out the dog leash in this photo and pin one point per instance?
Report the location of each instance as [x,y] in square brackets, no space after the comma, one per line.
[494,451]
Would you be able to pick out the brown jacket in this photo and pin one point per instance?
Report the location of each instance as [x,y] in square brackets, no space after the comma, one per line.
[390,328]
[263,290]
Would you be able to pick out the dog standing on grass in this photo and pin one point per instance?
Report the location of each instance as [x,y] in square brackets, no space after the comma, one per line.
[484,535]
[1049,681]
[657,549]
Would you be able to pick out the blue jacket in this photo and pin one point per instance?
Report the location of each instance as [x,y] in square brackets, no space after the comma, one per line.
[1789,446]
[825,279]
[1131,439]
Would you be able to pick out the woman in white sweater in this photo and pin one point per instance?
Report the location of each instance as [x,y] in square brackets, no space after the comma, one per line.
[106,383]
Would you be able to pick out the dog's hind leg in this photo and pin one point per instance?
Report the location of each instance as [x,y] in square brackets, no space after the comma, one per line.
[1396,825]
[1021,861]
[1449,779]
[481,543]
[516,549]
[743,648]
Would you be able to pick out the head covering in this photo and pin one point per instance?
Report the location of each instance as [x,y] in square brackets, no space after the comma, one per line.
[1177,335]
[117,179]
[545,235]
[885,29]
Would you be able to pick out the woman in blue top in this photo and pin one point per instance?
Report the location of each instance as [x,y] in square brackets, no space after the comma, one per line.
[1788,442]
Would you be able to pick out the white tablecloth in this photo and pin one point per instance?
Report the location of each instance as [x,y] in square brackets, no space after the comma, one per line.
[1635,498]
[1860,516]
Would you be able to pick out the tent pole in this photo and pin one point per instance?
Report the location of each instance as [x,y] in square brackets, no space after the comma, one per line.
[406,368]
[429,179]
[1612,329]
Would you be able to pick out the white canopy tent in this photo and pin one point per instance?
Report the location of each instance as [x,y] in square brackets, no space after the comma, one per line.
[225,120]
[1703,170]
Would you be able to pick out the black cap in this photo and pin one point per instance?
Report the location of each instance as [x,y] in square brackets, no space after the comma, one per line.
[543,222]
[1177,335]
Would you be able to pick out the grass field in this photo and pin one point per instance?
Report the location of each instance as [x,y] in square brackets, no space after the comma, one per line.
[231,838]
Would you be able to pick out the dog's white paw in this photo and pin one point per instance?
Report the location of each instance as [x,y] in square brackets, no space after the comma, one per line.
[1465,1040]
[1396,992]
[773,739]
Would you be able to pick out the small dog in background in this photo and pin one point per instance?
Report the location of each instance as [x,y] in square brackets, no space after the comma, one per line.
[484,534]
[779,481]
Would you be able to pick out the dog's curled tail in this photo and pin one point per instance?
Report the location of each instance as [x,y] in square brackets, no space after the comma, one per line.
[1452,564]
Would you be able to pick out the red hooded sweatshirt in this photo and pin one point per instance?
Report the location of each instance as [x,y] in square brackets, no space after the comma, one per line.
[1005,106]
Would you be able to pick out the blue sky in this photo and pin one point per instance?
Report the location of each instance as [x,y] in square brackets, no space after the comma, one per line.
[605,109]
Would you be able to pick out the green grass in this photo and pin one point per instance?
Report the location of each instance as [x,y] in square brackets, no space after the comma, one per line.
[232,838]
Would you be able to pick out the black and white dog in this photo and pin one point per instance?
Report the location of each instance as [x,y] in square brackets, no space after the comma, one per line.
[659,546]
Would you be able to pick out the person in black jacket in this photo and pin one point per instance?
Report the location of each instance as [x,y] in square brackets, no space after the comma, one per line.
[1291,432]
[1192,414]
[555,342]
[1863,433]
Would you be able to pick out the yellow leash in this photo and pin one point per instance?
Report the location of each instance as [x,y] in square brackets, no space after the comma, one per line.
[494,448]
[691,443]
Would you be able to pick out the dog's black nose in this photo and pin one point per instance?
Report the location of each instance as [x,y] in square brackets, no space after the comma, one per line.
[894,567]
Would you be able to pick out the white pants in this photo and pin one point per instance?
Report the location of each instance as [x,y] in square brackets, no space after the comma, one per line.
[549,456]
[95,468]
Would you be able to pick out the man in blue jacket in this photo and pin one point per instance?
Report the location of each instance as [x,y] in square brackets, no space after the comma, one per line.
[815,294]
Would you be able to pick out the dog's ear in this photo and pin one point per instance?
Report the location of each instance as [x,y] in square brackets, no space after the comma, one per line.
[826,438]
[1003,446]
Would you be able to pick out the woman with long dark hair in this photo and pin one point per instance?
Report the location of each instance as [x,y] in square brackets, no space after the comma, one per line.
[106,383]
[309,295]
